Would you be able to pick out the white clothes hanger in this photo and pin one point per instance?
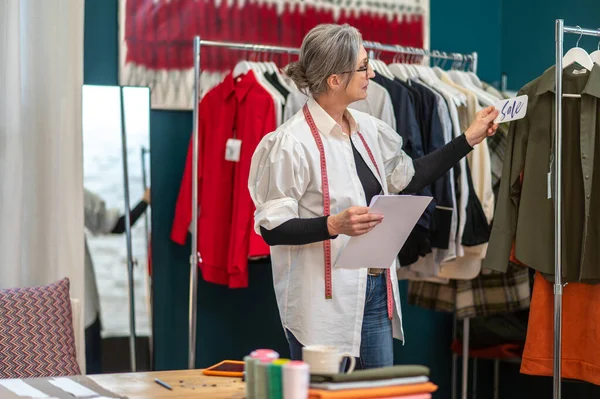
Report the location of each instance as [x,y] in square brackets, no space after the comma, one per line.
[578,55]
[595,56]
[241,68]
[460,99]
[412,68]
[407,67]
[397,68]
[457,97]
[384,70]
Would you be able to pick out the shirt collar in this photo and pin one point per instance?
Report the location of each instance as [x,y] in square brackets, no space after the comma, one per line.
[240,86]
[325,123]
[592,87]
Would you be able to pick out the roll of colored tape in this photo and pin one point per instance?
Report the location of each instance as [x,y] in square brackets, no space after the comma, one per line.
[265,353]
[261,381]
[276,379]
[296,378]
[249,370]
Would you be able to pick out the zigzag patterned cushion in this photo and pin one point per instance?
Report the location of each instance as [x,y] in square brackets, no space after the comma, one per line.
[36,332]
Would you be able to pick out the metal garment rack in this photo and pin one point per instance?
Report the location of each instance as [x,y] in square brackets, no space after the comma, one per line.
[561,29]
[145,153]
[131,291]
[195,256]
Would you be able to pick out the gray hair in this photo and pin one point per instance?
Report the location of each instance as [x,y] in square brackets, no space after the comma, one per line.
[326,50]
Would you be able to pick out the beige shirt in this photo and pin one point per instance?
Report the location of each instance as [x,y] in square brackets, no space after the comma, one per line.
[469,266]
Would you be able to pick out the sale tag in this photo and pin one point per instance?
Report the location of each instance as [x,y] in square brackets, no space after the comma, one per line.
[232,150]
[511,109]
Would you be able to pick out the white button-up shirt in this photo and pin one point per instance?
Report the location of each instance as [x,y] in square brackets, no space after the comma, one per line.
[285,183]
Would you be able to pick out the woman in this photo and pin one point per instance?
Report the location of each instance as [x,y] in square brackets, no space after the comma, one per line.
[357,311]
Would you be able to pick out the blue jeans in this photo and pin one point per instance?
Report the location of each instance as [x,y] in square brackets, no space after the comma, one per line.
[377,343]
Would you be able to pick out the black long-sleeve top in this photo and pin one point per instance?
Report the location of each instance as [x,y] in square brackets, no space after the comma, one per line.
[429,168]
[135,214]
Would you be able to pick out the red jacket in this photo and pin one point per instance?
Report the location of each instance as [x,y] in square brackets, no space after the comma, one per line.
[225,225]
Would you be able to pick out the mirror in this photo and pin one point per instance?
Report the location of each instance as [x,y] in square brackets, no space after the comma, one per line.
[106,239]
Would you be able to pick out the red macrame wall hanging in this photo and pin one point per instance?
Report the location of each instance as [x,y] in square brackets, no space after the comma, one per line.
[156,35]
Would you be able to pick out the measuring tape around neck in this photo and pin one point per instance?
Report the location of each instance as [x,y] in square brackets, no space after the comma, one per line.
[327,209]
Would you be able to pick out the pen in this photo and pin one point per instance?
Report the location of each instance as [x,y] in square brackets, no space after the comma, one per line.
[164,384]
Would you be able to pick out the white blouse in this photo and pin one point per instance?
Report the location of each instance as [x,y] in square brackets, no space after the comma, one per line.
[285,183]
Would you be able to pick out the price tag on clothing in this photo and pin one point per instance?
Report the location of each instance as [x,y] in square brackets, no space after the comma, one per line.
[511,109]
[233,149]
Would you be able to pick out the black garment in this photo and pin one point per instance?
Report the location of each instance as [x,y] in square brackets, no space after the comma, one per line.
[439,230]
[489,331]
[272,78]
[418,242]
[477,229]
[135,214]
[417,100]
[93,348]
[408,128]
[368,180]
[301,231]
[407,124]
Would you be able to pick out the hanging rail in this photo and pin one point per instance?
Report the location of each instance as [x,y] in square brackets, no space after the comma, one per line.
[195,256]
[561,29]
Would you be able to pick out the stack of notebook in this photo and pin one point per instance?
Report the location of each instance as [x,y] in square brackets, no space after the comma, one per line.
[402,382]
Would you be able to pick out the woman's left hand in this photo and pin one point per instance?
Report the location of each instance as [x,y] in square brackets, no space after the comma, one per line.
[483,126]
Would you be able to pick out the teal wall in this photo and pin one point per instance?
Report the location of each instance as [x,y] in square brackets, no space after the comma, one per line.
[233,322]
[528,34]
[469,25]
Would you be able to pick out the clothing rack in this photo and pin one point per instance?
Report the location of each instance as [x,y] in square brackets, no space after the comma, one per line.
[195,257]
[130,262]
[561,29]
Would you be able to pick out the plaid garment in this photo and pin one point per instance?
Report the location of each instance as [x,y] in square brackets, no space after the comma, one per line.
[485,295]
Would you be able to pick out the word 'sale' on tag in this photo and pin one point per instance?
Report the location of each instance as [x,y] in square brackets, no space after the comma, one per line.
[511,109]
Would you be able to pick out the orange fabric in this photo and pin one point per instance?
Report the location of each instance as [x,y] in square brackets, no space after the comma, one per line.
[513,257]
[504,351]
[580,331]
[385,392]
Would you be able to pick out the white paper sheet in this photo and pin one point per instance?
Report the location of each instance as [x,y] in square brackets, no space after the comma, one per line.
[379,247]
[75,389]
[20,388]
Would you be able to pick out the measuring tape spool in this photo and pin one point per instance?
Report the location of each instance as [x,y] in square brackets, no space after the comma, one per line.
[275,378]
[249,370]
[296,379]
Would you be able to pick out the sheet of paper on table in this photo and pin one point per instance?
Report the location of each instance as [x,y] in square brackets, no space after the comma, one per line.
[72,387]
[379,247]
[21,388]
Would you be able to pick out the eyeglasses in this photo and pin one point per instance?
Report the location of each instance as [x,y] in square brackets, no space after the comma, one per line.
[364,68]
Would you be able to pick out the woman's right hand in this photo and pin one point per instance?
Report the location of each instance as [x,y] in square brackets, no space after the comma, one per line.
[354,221]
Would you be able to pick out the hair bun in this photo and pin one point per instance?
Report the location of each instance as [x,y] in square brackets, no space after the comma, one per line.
[297,73]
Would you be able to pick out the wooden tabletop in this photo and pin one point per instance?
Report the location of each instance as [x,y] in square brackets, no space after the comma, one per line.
[185,384]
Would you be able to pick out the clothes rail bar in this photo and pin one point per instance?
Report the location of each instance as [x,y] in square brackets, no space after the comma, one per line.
[195,256]
[560,31]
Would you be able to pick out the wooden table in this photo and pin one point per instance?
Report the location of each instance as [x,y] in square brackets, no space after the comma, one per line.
[185,384]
